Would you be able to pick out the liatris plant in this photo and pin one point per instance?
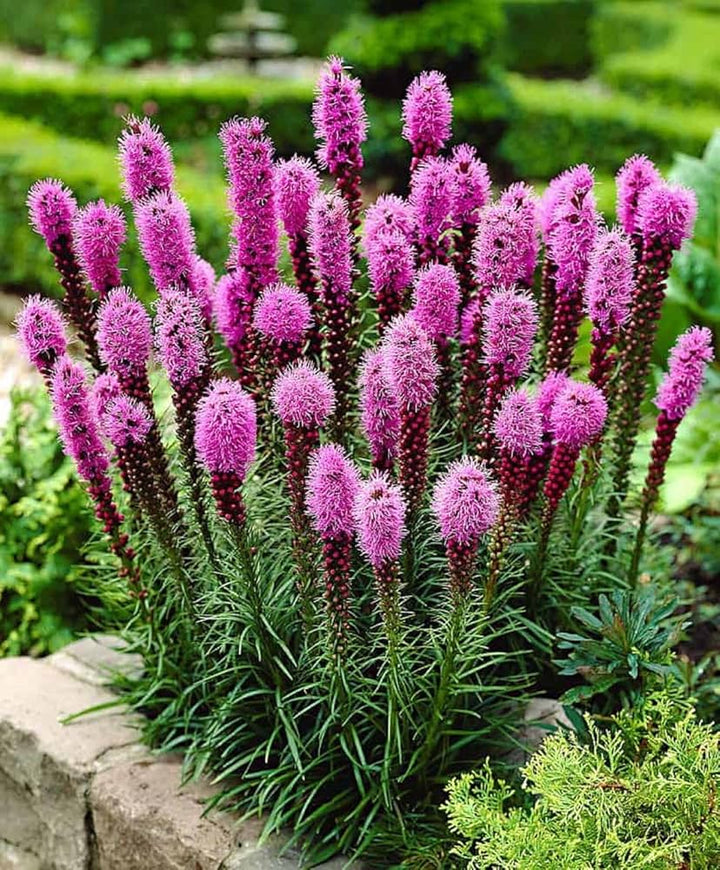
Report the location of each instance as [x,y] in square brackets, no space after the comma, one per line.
[438,609]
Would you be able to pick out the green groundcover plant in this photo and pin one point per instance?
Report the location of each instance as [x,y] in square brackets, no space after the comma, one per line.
[383,484]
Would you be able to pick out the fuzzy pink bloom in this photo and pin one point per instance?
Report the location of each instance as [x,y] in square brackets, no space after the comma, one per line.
[549,389]
[233,305]
[636,175]
[52,208]
[226,428]
[332,484]
[125,421]
[511,320]
[76,424]
[521,196]
[506,247]
[124,333]
[390,262]
[248,155]
[379,513]
[330,242]
[468,320]
[166,239]
[179,338]
[282,314]
[472,188]
[105,388]
[379,411]
[432,197]
[575,229]
[145,160]
[518,425]
[339,118]
[410,363]
[548,204]
[681,385]
[304,396]
[296,184]
[202,286]
[578,414]
[427,113]
[667,213]
[389,212]
[99,231]
[465,501]
[41,330]
[610,280]
[436,298]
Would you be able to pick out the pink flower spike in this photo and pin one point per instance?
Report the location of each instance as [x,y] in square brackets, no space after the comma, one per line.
[468,320]
[390,261]
[166,239]
[610,282]
[332,485]
[339,118]
[518,425]
[548,204]
[202,285]
[124,333]
[379,411]
[41,330]
[506,247]
[282,314]
[99,231]
[465,501]
[578,415]
[520,196]
[575,229]
[549,389]
[681,386]
[233,305]
[636,175]
[389,212]
[126,421]
[180,338]
[145,160]
[330,242]
[666,213]
[379,513]
[52,208]
[427,113]
[296,184]
[303,396]
[226,428]
[410,363]
[511,321]
[432,196]
[472,190]
[105,388]
[436,299]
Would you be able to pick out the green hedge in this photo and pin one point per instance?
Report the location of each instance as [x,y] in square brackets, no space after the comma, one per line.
[556,124]
[629,25]
[29,151]
[91,105]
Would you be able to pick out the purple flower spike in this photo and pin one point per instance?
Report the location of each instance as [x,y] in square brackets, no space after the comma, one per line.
[548,205]
[126,421]
[105,388]
[296,184]
[436,298]
[578,415]
[636,175]
[427,114]
[202,286]
[610,281]
[681,386]
[379,513]
[432,197]
[233,306]
[511,320]
[518,425]
[303,396]
[282,314]
[180,338]
[389,212]
[379,411]
[124,334]
[472,190]
[391,263]
[99,232]
[166,239]
[465,501]
[332,485]
[549,389]
[410,363]
[226,428]
[41,330]
[330,243]
[145,160]
[506,247]
[573,235]
[666,213]
[52,209]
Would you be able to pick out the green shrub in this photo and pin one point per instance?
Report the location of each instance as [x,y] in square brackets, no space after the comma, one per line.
[640,793]
[29,151]
[45,525]
[556,123]
[627,25]
[531,43]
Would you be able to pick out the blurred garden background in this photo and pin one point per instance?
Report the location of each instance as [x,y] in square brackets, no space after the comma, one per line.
[538,85]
